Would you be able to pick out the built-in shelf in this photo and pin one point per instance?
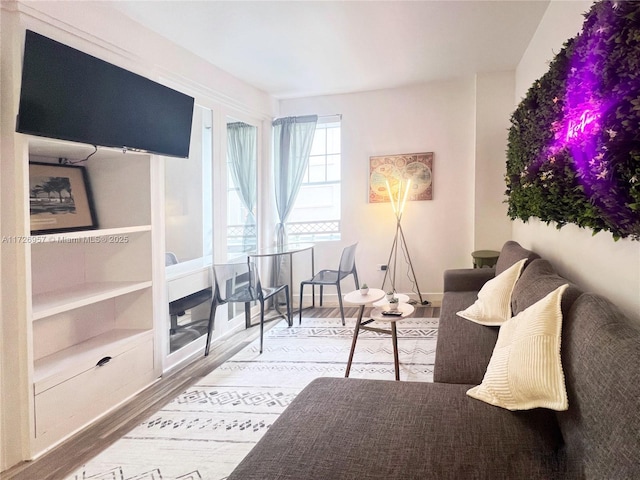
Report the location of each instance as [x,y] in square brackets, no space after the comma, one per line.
[84,316]
[52,303]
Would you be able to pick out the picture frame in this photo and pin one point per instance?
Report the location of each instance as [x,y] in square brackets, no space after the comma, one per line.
[60,199]
[394,172]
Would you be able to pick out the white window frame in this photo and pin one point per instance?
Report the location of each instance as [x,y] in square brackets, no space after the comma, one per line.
[323,229]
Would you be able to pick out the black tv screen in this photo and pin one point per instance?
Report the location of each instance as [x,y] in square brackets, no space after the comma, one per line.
[69,95]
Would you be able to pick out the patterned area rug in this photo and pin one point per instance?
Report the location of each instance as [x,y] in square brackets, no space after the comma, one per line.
[206,431]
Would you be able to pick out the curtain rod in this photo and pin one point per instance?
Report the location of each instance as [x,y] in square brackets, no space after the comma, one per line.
[339,115]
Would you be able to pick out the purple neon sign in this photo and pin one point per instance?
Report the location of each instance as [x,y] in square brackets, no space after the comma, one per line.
[584,125]
[583,107]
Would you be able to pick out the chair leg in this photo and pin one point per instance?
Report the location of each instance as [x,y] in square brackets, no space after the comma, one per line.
[261,323]
[289,319]
[340,302]
[300,306]
[212,316]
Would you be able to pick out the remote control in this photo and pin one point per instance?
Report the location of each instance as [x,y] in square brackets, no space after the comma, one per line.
[392,313]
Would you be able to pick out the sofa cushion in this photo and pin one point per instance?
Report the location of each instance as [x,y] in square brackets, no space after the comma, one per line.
[511,253]
[538,280]
[463,348]
[601,361]
[352,429]
[525,370]
[466,279]
[493,306]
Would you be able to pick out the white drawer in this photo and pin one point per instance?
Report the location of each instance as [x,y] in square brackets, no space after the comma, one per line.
[71,404]
[187,284]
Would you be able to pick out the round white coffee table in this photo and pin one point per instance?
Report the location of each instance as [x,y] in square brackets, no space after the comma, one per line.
[376,315]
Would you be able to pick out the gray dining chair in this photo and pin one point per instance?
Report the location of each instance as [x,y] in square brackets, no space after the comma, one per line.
[323,278]
[240,283]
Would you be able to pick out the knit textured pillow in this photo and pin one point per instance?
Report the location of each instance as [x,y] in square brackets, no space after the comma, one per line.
[493,306]
[525,370]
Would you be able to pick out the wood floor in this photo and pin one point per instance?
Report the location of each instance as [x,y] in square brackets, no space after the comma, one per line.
[64,459]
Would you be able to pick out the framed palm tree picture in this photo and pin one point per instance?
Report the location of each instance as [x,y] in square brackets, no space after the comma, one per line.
[59,198]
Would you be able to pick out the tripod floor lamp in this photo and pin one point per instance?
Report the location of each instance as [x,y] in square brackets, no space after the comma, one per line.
[398,204]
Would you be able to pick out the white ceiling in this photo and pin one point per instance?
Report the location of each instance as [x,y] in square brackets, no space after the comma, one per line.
[306,48]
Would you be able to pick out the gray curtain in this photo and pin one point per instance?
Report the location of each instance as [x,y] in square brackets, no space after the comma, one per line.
[242,153]
[292,139]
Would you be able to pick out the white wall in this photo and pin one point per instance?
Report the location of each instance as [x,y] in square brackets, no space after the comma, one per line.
[436,117]
[596,263]
[494,105]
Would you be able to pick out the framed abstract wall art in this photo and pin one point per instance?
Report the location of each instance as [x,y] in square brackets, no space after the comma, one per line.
[393,173]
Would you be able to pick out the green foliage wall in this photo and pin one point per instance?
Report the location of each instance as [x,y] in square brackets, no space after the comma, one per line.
[573,153]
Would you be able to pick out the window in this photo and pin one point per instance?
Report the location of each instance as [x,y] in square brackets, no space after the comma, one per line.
[316,213]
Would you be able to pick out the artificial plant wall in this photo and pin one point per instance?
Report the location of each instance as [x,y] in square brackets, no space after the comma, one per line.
[574,144]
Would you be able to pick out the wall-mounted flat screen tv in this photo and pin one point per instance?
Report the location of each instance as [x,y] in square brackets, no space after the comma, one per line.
[69,95]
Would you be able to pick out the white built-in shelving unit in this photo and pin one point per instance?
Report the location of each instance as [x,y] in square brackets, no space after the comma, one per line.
[90,296]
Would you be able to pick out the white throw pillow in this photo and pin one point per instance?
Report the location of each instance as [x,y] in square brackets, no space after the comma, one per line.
[525,370]
[493,306]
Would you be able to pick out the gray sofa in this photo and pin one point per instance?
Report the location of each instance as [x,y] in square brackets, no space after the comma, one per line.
[341,429]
